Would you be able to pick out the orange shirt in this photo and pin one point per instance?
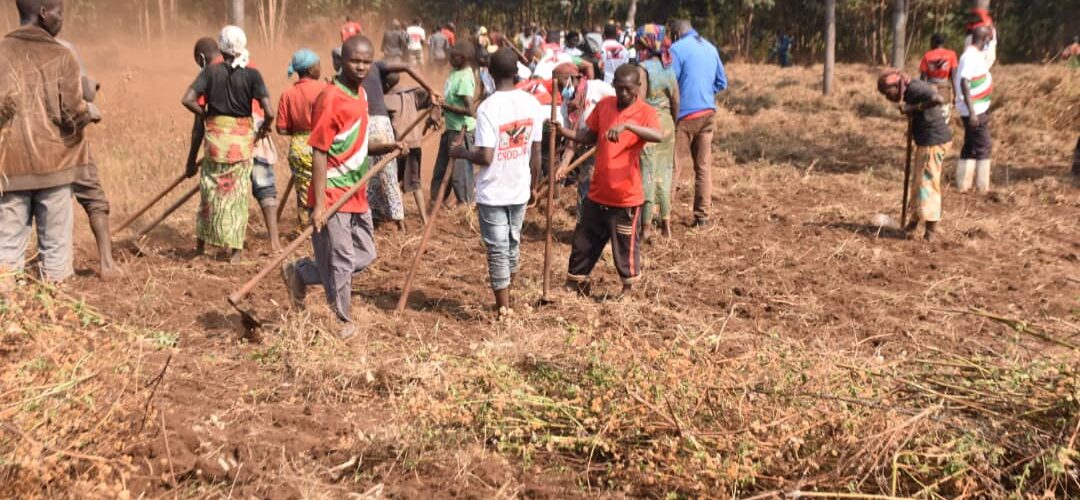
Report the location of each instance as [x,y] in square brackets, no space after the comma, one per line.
[938,63]
[296,104]
[616,180]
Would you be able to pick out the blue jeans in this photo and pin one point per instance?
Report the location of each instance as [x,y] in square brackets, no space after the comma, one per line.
[263,184]
[500,226]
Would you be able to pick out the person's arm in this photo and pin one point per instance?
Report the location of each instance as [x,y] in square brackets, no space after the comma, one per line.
[385,148]
[720,82]
[318,188]
[933,99]
[198,133]
[283,115]
[398,67]
[673,95]
[965,87]
[191,102]
[268,121]
[582,136]
[480,156]
[74,110]
[646,134]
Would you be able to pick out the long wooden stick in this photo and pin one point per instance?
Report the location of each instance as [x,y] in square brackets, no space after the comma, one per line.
[907,176]
[553,133]
[437,201]
[131,218]
[284,200]
[168,211]
[238,296]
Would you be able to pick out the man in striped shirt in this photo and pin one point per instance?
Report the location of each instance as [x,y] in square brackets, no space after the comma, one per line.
[343,241]
[973,88]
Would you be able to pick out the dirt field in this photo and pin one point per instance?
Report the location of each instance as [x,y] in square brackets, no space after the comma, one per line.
[793,346]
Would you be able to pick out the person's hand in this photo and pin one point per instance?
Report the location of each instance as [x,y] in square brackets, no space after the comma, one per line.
[401,149]
[437,100]
[191,168]
[264,130]
[555,127]
[457,152]
[613,132]
[95,113]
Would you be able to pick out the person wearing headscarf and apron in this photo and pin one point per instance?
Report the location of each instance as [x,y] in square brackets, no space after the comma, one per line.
[229,87]
[658,159]
[295,120]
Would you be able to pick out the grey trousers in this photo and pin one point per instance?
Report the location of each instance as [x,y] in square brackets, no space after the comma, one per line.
[344,247]
[51,209]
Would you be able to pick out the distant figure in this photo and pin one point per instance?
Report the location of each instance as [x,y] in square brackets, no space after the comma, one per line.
[294,119]
[1071,54]
[483,41]
[450,31]
[439,49]
[658,160]
[459,113]
[395,42]
[44,150]
[614,52]
[405,105]
[933,138]
[938,67]
[974,85]
[417,41]
[697,65]
[229,87]
[783,49]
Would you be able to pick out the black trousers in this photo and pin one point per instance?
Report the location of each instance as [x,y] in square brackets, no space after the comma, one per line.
[598,225]
[977,142]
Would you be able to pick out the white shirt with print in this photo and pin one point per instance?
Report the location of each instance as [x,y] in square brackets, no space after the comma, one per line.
[508,122]
[614,55]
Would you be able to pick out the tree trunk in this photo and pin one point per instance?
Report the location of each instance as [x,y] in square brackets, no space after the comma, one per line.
[749,31]
[161,16]
[236,12]
[899,33]
[980,4]
[830,45]
[631,13]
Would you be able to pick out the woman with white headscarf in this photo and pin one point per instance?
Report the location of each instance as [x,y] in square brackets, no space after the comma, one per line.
[229,87]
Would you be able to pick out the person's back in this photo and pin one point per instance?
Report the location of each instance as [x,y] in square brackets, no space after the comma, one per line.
[697,65]
[42,97]
[937,64]
[508,122]
[394,43]
[230,91]
[416,35]
[614,53]
[440,46]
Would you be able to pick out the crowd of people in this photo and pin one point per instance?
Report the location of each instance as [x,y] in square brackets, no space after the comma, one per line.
[626,108]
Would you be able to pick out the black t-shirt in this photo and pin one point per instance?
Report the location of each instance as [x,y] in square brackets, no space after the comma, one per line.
[394,43]
[931,126]
[374,88]
[229,91]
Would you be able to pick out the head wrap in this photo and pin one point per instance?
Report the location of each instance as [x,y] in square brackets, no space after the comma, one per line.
[482,31]
[301,60]
[890,78]
[979,18]
[653,38]
[350,29]
[233,42]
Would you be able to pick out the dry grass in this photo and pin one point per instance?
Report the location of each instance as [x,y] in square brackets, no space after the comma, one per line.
[791,347]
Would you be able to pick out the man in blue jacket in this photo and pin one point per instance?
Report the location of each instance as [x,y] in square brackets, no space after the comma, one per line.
[696,63]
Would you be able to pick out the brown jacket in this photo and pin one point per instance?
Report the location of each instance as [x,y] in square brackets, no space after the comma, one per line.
[42,112]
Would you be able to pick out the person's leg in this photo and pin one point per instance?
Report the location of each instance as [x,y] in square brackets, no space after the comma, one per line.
[625,227]
[649,182]
[918,194]
[363,241]
[264,187]
[663,198]
[591,235]
[702,154]
[89,193]
[965,167]
[336,264]
[53,213]
[15,222]
[683,138]
[442,160]
[495,231]
[411,182]
[983,150]
[463,182]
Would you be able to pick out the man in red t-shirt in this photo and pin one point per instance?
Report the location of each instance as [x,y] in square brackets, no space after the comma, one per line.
[938,66]
[343,241]
[619,126]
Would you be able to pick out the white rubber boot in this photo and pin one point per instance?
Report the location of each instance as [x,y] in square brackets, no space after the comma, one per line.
[965,174]
[982,176]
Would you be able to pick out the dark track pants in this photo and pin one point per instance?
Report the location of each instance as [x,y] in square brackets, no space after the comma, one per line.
[598,225]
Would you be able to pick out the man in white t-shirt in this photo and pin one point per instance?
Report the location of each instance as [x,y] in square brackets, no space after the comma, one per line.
[417,36]
[974,85]
[509,128]
[613,52]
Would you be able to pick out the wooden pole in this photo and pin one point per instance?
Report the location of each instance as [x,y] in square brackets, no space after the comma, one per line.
[131,218]
[830,46]
[437,201]
[285,197]
[168,211]
[907,176]
[553,133]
